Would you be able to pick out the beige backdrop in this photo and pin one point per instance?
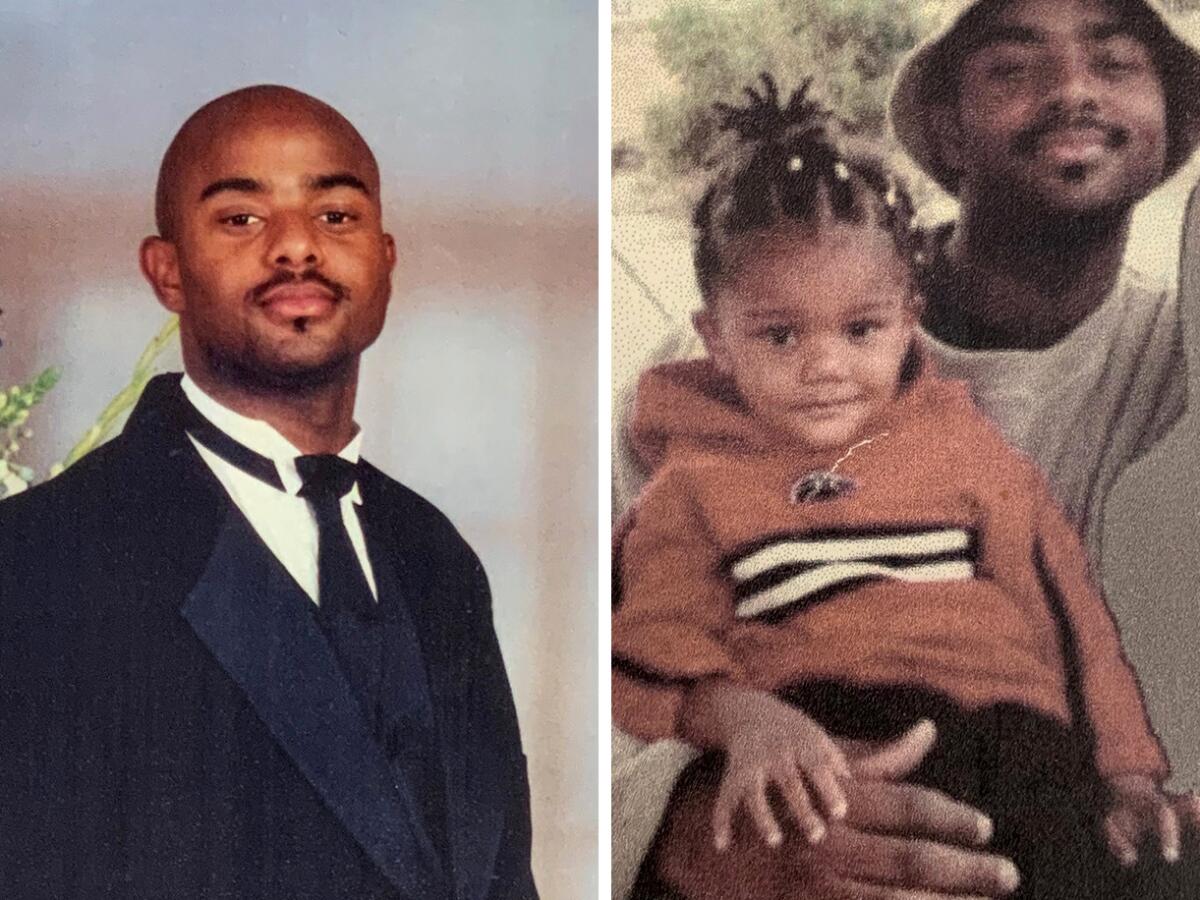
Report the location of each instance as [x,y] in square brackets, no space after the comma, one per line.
[481,393]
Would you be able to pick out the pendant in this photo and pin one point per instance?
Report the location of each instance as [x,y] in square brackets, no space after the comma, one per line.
[821,485]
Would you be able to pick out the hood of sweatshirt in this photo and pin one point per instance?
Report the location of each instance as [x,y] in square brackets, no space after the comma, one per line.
[690,406]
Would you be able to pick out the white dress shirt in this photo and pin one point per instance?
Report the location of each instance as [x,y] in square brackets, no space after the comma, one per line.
[283,520]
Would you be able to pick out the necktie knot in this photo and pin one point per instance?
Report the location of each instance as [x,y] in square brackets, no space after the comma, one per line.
[325,476]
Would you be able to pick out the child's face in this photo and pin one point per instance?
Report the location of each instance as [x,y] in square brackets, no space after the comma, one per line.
[813,330]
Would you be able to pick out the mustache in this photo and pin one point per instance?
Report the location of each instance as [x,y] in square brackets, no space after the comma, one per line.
[310,276]
[1026,141]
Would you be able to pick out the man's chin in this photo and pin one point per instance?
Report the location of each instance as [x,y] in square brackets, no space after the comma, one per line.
[1039,195]
[1086,191]
[285,374]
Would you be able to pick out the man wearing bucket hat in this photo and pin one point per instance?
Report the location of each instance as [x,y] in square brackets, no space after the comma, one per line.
[1049,120]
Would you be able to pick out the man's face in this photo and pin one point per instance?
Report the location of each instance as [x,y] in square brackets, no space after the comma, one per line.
[814,332]
[1061,108]
[283,264]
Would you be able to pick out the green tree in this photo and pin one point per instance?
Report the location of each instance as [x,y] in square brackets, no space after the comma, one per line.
[851,49]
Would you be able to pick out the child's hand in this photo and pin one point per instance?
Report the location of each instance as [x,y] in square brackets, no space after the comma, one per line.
[1138,807]
[777,746]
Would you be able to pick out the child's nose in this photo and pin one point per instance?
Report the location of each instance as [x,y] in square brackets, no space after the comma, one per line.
[823,359]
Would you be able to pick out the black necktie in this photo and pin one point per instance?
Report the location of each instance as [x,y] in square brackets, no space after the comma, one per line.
[341,583]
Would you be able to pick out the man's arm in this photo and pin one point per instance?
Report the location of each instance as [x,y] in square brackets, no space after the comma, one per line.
[512,875]
[898,842]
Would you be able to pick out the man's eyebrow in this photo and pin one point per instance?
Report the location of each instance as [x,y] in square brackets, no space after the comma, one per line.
[338,179]
[240,185]
[1008,34]
[1102,31]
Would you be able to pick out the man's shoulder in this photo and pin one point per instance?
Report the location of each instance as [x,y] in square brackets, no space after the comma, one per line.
[1147,293]
[93,484]
[68,530]
[416,519]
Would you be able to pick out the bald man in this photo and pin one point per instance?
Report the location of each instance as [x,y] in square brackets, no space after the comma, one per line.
[237,661]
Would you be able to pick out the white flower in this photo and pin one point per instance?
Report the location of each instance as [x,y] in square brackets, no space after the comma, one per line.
[10,482]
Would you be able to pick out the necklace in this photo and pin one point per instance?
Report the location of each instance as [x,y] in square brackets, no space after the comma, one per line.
[826,484]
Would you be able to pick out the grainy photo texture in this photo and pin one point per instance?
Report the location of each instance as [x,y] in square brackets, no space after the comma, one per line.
[905,303]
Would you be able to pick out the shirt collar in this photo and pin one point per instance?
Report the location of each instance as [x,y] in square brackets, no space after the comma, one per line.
[263,439]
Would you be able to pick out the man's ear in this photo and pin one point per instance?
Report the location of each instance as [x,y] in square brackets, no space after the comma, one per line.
[160,266]
[389,251]
[705,322]
[947,136]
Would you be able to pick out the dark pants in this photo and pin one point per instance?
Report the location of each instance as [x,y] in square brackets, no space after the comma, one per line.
[1033,776]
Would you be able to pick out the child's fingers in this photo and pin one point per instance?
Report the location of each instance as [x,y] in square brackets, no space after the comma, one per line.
[829,755]
[722,816]
[829,792]
[1187,810]
[1168,831]
[800,804]
[760,812]
[1120,838]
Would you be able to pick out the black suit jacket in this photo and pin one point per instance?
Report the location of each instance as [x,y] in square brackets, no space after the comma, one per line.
[166,732]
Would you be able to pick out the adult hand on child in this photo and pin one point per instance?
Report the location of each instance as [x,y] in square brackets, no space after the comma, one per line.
[1187,808]
[770,747]
[1137,809]
[897,841]
[901,841]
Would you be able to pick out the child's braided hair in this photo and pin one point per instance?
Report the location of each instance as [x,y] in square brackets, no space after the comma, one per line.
[786,166]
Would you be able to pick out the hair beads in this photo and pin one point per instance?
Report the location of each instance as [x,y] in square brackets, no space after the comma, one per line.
[785,165]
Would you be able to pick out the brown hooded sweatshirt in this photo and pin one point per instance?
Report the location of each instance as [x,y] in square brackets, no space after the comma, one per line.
[944,567]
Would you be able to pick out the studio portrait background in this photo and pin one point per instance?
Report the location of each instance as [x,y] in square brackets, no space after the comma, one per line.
[480,394]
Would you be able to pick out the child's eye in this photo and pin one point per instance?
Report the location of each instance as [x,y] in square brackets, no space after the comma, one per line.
[779,335]
[862,329]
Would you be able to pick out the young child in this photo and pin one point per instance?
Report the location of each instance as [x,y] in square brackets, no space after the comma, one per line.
[836,543]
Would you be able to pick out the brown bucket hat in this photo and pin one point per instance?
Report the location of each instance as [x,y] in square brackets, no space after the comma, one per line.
[921,83]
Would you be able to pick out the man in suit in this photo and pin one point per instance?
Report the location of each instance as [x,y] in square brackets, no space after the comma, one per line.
[236,660]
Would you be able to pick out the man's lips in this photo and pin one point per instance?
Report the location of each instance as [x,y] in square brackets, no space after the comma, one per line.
[288,302]
[1075,146]
[1070,141]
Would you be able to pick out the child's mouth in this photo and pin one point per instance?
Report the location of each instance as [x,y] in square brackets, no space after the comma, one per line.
[826,409]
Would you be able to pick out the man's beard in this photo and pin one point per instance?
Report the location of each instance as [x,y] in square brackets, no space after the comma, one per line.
[252,371]
[1023,210]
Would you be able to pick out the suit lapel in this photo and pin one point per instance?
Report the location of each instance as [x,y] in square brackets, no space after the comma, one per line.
[259,626]
[475,801]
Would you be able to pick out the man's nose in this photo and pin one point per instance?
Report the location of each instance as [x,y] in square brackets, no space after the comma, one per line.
[294,242]
[1073,82]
